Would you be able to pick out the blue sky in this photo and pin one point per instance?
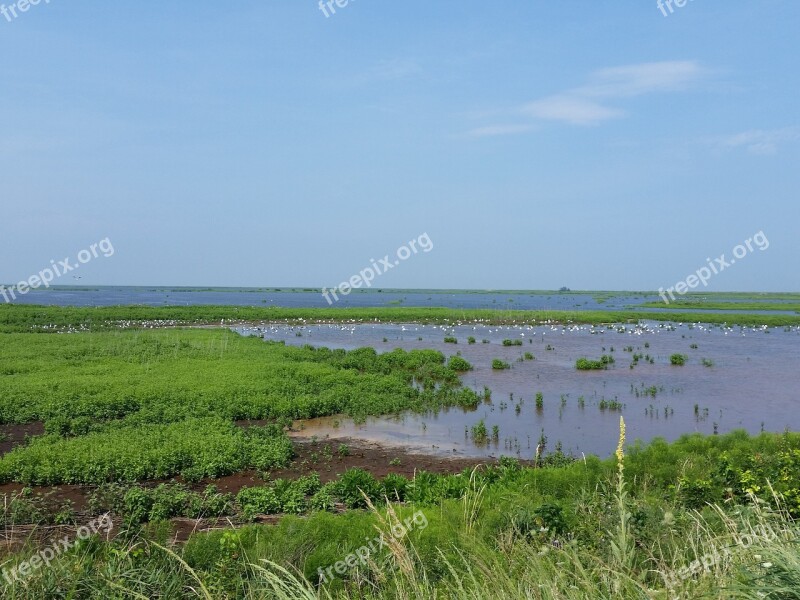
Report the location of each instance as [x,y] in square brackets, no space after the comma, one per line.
[596,145]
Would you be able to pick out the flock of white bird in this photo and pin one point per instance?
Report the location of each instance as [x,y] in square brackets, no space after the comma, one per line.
[464,328]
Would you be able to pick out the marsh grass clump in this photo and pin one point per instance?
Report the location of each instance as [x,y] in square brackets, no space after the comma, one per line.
[512,342]
[500,365]
[450,340]
[479,433]
[585,364]
[613,405]
[458,364]
[678,359]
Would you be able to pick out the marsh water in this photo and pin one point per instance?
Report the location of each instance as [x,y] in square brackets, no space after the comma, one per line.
[312,298]
[363,298]
[734,378]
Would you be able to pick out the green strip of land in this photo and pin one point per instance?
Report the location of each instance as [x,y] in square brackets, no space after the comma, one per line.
[26,318]
[744,306]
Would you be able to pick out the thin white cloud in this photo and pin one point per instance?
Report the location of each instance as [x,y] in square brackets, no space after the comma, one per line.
[644,78]
[760,141]
[495,130]
[572,109]
[591,103]
[588,104]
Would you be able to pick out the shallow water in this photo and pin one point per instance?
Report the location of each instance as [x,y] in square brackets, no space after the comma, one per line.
[754,384]
[363,298]
[312,298]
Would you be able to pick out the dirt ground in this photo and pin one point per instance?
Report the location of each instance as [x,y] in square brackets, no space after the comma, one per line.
[14,435]
[323,457]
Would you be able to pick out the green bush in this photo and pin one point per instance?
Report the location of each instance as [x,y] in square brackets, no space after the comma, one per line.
[456,363]
[395,487]
[678,359]
[584,364]
[352,483]
[323,500]
[255,501]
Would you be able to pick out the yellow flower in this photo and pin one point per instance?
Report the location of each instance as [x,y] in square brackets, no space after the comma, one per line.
[620,452]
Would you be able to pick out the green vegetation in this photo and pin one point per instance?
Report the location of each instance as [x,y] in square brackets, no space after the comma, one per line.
[133,405]
[584,364]
[681,515]
[678,359]
[480,434]
[458,364]
[26,318]
[450,340]
[500,365]
[614,405]
[512,342]
[127,411]
[697,304]
[193,448]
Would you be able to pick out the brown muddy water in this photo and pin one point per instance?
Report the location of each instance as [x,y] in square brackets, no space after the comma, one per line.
[753,384]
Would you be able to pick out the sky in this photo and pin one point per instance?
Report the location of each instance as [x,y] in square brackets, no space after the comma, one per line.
[594,144]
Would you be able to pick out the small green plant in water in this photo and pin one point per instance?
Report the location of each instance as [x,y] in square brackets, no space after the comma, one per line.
[479,433]
[678,359]
[458,364]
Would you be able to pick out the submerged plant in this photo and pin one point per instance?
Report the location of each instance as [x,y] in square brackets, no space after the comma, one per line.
[479,433]
[678,359]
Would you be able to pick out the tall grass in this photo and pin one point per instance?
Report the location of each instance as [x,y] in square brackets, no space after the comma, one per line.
[745,551]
